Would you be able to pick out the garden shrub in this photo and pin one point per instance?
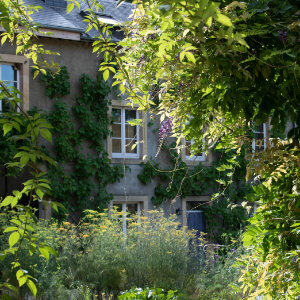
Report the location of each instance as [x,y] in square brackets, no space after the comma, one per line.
[97,255]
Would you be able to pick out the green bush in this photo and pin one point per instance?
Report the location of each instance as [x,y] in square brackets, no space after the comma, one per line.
[97,255]
[96,259]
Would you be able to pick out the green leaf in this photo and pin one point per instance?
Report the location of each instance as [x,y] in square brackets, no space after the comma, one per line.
[70,7]
[13,239]
[223,20]
[19,274]
[46,134]
[44,252]
[7,201]
[135,122]
[105,75]
[122,88]
[11,228]
[7,127]
[22,280]
[77,4]
[40,193]
[31,284]
[190,56]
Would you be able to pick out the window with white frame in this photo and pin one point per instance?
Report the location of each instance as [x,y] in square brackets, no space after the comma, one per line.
[129,210]
[9,75]
[259,139]
[200,156]
[125,137]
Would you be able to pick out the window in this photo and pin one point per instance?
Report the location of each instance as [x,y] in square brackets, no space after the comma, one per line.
[10,76]
[130,210]
[130,206]
[192,214]
[125,137]
[189,156]
[192,159]
[259,139]
[14,72]
[126,141]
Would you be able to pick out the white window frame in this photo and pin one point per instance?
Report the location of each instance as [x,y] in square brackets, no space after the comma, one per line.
[125,218]
[123,136]
[18,80]
[264,138]
[195,157]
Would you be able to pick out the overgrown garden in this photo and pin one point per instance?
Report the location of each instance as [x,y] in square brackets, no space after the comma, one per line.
[210,71]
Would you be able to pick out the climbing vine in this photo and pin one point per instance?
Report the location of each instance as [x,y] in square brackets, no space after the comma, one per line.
[84,170]
[179,179]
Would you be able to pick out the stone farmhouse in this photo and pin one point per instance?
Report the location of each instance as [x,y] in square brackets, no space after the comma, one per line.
[74,45]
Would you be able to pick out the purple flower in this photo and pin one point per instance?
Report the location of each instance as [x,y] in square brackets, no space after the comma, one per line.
[142,58]
[233,249]
[180,85]
[151,36]
[282,35]
[165,129]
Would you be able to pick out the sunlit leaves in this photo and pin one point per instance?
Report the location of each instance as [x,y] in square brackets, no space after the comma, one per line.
[223,20]
[13,238]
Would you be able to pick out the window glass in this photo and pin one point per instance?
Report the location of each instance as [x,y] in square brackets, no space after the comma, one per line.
[116,115]
[130,131]
[9,76]
[116,146]
[130,114]
[129,144]
[116,130]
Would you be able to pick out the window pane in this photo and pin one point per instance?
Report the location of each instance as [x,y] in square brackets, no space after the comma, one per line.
[116,115]
[132,208]
[129,144]
[7,73]
[116,130]
[118,207]
[130,114]
[116,146]
[259,128]
[130,131]
[259,136]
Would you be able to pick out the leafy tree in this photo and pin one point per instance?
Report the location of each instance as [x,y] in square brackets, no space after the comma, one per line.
[211,67]
[27,129]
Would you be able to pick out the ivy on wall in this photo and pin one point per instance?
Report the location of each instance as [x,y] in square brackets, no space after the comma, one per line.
[223,223]
[84,170]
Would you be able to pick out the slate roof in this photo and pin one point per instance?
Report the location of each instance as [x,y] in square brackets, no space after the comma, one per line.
[54,16]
